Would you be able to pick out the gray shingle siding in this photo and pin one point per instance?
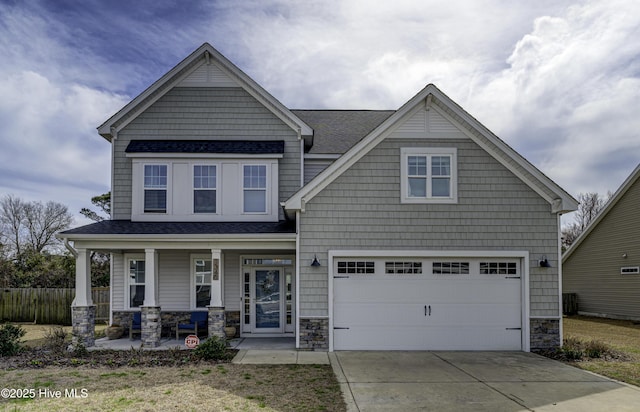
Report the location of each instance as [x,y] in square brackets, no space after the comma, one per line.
[204,113]
[361,209]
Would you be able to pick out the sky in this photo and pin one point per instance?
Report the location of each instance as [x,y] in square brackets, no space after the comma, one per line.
[557,80]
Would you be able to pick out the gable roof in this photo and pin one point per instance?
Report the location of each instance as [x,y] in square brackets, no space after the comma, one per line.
[204,54]
[432,97]
[624,188]
[336,131]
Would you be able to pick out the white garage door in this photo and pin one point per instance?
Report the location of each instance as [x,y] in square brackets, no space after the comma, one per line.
[427,304]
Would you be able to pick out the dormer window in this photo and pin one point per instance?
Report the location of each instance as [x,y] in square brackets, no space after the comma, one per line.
[155,188]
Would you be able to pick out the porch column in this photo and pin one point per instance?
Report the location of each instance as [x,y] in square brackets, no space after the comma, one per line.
[151,327]
[216,321]
[83,279]
[83,311]
[216,279]
[151,277]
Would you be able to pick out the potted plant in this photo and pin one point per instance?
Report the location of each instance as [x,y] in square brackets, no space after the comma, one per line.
[114,332]
[230,331]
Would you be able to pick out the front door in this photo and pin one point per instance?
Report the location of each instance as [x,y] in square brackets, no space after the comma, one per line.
[264,306]
[267,302]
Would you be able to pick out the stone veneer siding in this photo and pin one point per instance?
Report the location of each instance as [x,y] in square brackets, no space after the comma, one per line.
[314,333]
[83,320]
[545,334]
[216,321]
[151,326]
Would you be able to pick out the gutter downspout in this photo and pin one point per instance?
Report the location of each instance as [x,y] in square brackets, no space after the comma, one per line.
[75,256]
[70,248]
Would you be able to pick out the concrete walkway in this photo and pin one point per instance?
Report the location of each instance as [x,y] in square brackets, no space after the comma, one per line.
[280,357]
[474,381]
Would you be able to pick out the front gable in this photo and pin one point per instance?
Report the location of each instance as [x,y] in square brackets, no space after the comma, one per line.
[205,67]
[432,115]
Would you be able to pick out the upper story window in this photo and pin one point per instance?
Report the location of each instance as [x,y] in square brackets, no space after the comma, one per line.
[255,188]
[155,188]
[205,185]
[429,175]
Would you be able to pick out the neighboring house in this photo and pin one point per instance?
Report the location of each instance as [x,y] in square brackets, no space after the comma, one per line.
[602,267]
[408,229]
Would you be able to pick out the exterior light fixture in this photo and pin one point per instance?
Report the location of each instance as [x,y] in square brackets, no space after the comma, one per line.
[315,261]
[544,263]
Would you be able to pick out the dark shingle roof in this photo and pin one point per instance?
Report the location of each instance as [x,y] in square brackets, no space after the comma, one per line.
[336,131]
[206,146]
[127,227]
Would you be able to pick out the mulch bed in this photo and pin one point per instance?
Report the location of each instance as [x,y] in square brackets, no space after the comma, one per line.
[41,357]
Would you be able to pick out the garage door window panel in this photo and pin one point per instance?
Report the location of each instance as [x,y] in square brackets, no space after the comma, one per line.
[397,268]
[450,268]
[498,268]
[356,267]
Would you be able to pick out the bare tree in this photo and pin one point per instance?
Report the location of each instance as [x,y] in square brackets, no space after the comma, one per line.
[32,224]
[11,221]
[43,221]
[590,204]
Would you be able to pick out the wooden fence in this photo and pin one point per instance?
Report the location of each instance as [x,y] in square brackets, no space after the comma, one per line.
[47,305]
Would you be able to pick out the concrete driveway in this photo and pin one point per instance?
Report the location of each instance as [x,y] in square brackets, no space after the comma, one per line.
[474,381]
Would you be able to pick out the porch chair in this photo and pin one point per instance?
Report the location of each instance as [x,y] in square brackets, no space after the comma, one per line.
[197,322]
[136,324]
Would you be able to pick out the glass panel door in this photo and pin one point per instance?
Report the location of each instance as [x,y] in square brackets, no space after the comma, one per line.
[268,301]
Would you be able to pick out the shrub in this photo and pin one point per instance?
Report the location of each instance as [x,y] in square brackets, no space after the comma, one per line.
[572,349]
[596,349]
[10,339]
[56,339]
[213,348]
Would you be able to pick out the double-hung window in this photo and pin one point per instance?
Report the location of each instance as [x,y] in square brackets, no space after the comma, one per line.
[429,175]
[202,282]
[136,281]
[255,188]
[155,188]
[204,188]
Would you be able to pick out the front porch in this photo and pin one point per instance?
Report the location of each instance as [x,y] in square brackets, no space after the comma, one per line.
[252,291]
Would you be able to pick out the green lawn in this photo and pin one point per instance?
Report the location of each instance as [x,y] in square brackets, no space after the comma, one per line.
[623,336]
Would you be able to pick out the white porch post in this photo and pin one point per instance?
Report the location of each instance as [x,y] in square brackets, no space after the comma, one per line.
[216,315]
[83,312]
[151,278]
[150,310]
[83,279]
[216,278]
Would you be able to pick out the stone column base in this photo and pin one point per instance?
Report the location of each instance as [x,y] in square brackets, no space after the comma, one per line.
[545,334]
[216,321]
[314,334]
[83,320]
[151,326]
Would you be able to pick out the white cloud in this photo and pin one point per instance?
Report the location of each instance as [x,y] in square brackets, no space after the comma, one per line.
[558,80]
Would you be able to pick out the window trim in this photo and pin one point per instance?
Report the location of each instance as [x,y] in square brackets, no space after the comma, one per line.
[192,279]
[127,284]
[428,152]
[267,188]
[217,189]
